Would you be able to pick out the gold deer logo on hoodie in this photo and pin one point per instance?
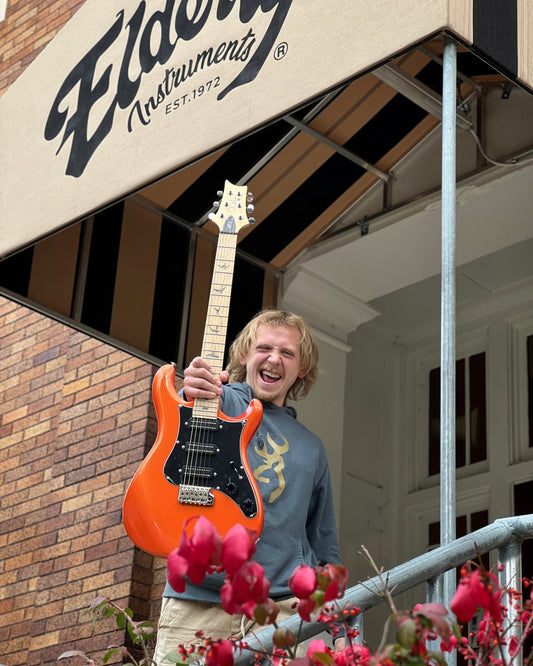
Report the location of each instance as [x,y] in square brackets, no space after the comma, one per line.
[273,457]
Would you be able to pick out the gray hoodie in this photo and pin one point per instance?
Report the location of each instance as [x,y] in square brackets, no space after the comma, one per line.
[290,466]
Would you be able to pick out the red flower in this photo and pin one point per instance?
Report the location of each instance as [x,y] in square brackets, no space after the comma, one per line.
[514,645]
[220,653]
[477,588]
[250,583]
[463,603]
[196,555]
[238,546]
[205,550]
[176,571]
[315,587]
[333,579]
[229,604]
[303,581]
[318,647]
[438,614]
[243,591]
[306,607]
[351,655]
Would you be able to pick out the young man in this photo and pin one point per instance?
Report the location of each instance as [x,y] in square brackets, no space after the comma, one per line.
[274,359]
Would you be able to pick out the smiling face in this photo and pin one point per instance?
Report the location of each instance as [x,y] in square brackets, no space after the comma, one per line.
[273,362]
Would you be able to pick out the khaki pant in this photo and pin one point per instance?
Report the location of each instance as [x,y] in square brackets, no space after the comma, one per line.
[180,619]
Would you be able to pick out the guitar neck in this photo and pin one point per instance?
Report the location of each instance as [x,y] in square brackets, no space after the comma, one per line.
[216,324]
[230,218]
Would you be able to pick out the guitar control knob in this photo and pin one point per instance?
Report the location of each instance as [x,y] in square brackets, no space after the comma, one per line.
[231,488]
[249,508]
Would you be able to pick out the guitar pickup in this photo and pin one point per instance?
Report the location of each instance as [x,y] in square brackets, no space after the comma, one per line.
[204,423]
[197,472]
[201,447]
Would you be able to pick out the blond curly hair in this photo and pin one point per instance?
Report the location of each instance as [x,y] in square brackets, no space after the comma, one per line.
[308,349]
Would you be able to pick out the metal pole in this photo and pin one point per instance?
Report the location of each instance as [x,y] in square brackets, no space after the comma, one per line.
[447,381]
[510,577]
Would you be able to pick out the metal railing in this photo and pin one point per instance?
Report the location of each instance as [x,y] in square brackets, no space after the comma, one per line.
[506,535]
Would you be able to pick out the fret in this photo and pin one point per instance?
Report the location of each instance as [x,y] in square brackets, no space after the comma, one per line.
[205,409]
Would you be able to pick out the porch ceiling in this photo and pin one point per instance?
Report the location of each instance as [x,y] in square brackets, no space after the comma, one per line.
[346,189]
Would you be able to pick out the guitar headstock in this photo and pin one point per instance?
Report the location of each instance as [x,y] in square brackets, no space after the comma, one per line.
[232,209]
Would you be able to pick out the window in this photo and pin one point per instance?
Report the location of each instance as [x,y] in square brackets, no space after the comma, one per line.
[464,524]
[470,413]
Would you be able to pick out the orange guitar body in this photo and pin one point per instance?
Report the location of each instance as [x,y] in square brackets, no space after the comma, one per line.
[152,512]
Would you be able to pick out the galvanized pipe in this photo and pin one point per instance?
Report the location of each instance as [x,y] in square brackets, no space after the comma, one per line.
[447,378]
[510,576]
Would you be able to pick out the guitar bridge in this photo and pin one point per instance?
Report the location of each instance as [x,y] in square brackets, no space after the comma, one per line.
[195,495]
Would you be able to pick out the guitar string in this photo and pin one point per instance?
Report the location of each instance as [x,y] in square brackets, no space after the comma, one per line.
[202,438]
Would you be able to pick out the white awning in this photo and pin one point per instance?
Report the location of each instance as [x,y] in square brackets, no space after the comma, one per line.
[127,93]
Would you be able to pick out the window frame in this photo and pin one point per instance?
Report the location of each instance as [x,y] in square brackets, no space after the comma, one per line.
[521,327]
[421,362]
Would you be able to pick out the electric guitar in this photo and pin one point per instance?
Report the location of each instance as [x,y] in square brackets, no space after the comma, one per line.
[198,464]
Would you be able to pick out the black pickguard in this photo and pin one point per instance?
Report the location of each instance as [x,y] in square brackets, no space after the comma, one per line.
[207,453]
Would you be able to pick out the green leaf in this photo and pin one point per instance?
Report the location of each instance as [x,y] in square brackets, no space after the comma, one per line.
[437,656]
[107,656]
[134,636]
[121,621]
[406,634]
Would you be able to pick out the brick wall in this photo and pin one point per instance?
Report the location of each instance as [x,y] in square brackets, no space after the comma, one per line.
[76,418]
[28,27]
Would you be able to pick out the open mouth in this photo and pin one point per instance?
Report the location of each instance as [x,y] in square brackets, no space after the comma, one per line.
[269,377]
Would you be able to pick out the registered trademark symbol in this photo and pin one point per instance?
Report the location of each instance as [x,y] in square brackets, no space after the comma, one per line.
[281,50]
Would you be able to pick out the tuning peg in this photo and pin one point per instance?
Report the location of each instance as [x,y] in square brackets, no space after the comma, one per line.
[219,194]
[249,209]
[212,217]
[249,197]
[216,204]
[251,220]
